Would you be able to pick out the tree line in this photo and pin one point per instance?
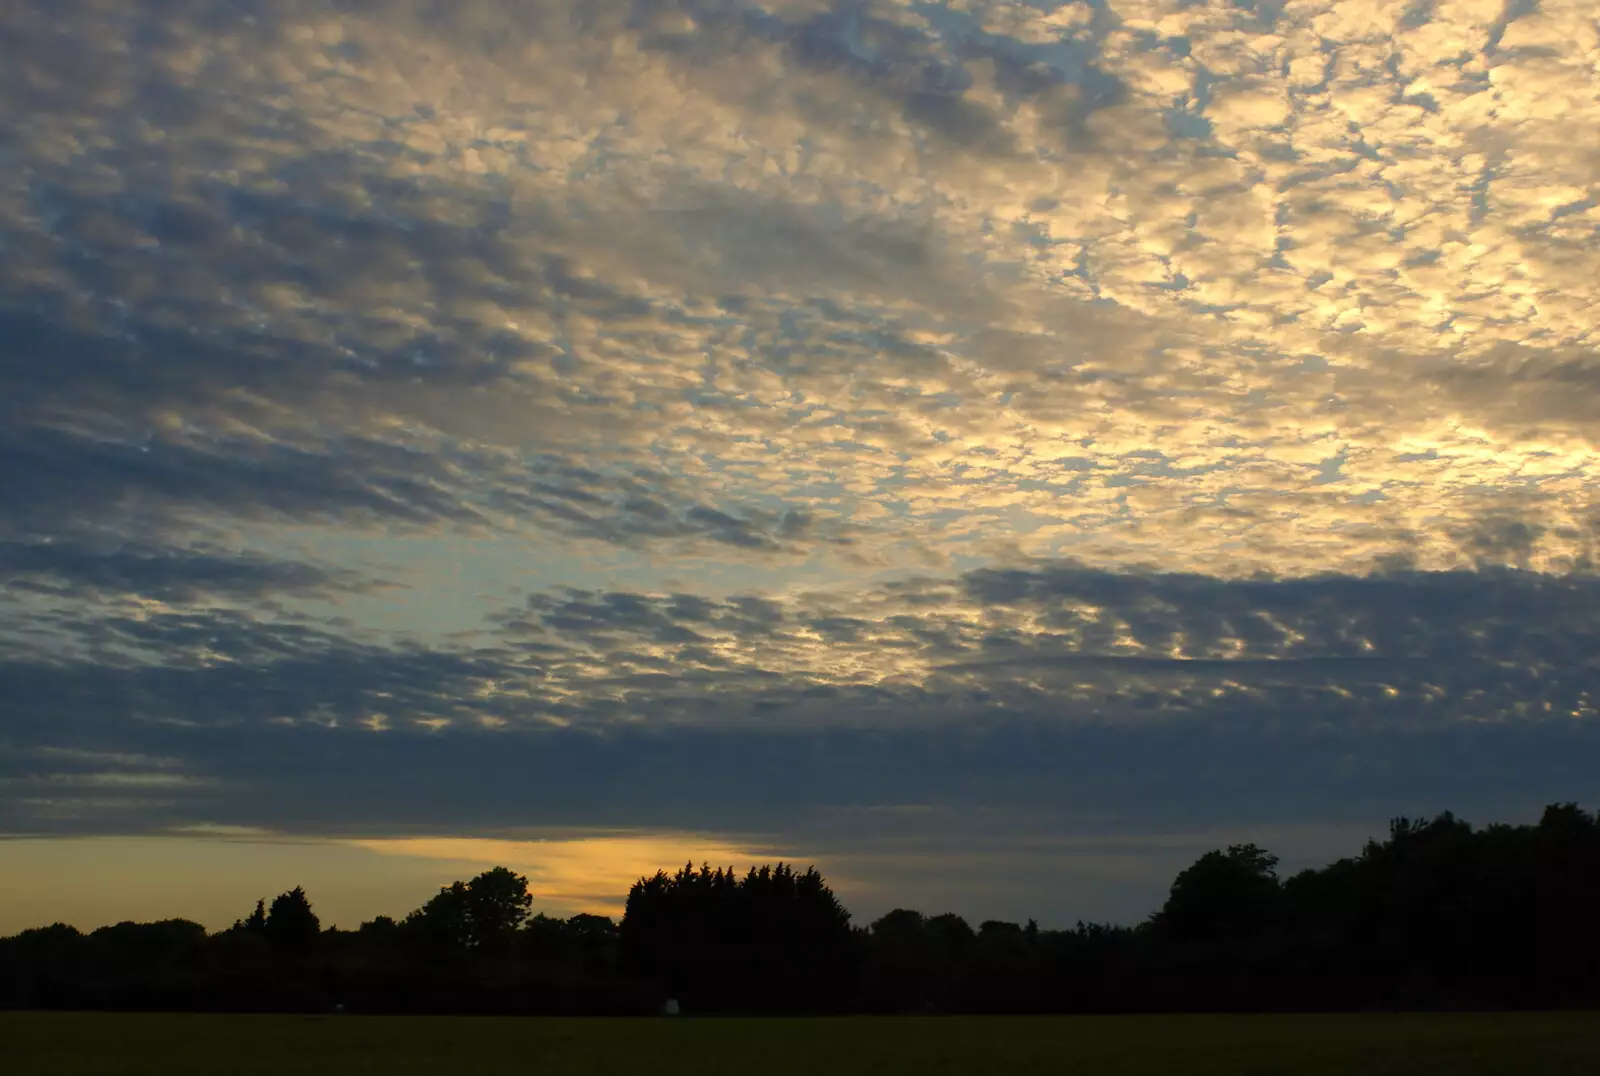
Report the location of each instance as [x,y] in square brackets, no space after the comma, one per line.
[1436,915]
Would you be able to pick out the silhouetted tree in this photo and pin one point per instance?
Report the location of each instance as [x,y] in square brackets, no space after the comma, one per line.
[1436,913]
[147,944]
[380,927]
[1006,968]
[256,921]
[547,939]
[481,916]
[1223,896]
[291,925]
[595,941]
[774,939]
[906,969]
[444,922]
[497,902]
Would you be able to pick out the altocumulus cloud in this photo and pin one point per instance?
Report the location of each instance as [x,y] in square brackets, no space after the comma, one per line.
[1131,414]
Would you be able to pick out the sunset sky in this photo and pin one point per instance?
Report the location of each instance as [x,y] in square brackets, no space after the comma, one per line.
[994,450]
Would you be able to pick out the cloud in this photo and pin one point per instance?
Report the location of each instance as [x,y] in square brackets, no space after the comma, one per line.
[427,262]
[1045,692]
[625,381]
[163,573]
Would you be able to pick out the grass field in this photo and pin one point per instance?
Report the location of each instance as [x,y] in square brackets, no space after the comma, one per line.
[46,1044]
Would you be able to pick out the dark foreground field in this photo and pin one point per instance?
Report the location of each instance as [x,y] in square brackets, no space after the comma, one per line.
[42,1044]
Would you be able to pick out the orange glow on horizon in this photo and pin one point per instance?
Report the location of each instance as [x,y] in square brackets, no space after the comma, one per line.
[577,874]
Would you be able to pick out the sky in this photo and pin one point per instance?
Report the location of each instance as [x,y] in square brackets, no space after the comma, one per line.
[994,450]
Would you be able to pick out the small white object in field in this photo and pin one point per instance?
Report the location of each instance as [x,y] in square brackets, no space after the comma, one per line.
[670,1008]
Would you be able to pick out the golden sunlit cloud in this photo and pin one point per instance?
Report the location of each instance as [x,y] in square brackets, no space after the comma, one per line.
[393,393]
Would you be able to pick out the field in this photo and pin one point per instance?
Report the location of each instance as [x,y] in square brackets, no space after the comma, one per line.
[45,1044]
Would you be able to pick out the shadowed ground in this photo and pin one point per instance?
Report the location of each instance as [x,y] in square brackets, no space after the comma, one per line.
[1550,1044]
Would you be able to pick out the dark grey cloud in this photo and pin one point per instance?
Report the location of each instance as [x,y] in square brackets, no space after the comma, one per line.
[62,479]
[137,385]
[638,507]
[164,573]
[916,71]
[1038,774]
[91,439]
[218,669]
[1404,648]
[1446,706]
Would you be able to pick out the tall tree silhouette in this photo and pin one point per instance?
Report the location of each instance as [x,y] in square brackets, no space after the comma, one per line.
[1223,896]
[291,925]
[480,916]
[774,939]
[256,921]
[443,923]
[497,903]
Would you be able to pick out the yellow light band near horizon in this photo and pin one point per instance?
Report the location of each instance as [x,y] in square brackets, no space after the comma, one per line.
[215,878]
